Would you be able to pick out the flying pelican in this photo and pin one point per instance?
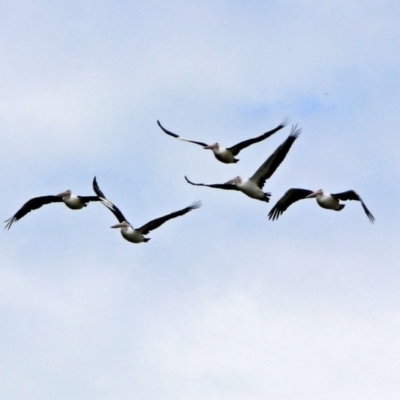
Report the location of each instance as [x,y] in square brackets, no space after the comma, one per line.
[252,187]
[72,201]
[227,155]
[127,230]
[324,200]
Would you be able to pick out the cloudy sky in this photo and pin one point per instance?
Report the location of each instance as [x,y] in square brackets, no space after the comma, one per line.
[221,303]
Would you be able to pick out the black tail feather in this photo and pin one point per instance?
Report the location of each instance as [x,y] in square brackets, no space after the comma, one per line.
[267,195]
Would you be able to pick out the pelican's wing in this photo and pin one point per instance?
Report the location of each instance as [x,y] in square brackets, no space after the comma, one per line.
[290,197]
[86,199]
[180,137]
[112,207]
[352,195]
[274,160]
[30,205]
[214,185]
[97,189]
[155,223]
[240,146]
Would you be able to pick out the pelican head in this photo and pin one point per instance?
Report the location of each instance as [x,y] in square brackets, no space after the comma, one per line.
[317,193]
[123,224]
[212,146]
[66,193]
[235,180]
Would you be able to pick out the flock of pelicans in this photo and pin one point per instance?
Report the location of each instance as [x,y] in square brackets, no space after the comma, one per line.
[251,187]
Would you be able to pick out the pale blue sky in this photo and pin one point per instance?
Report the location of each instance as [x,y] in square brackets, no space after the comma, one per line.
[221,303]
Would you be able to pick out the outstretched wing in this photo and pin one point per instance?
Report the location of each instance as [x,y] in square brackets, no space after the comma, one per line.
[240,146]
[30,205]
[112,207]
[97,190]
[87,199]
[290,197]
[274,160]
[155,223]
[352,195]
[214,185]
[180,137]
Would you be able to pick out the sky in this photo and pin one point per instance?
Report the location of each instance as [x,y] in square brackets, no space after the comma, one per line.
[221,303]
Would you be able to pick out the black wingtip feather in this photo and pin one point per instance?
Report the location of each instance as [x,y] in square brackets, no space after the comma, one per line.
[369,215]
[267,196]
[195,205]
[274,213]
[188,181]
[295,132]
[97,189]
[9,222]
[284,122]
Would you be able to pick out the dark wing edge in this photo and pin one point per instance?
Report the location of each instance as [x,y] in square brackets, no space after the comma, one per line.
[155,223]
[242,145]
[275,159]
[97,190]
[30,205]
[107,203]
[87,199]
[353,195]
[180,137]
[214,185]
[290,197]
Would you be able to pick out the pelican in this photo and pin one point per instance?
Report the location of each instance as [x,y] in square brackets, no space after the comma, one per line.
[127,230]
[252,187]
[227,155]
[72,201]
[324,200]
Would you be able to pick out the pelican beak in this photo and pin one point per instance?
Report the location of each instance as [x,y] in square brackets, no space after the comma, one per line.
[314,194]
[209,147]
[63,194]
[118,226]
[232,181]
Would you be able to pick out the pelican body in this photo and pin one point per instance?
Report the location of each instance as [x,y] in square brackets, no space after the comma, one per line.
[221,153]
[128,232]
[324,200]
[227,155]
[72,201]
[252,187]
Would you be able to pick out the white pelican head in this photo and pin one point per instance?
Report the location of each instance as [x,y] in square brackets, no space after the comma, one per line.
[236,179]
[211,146]
[317,193]
[66,193]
